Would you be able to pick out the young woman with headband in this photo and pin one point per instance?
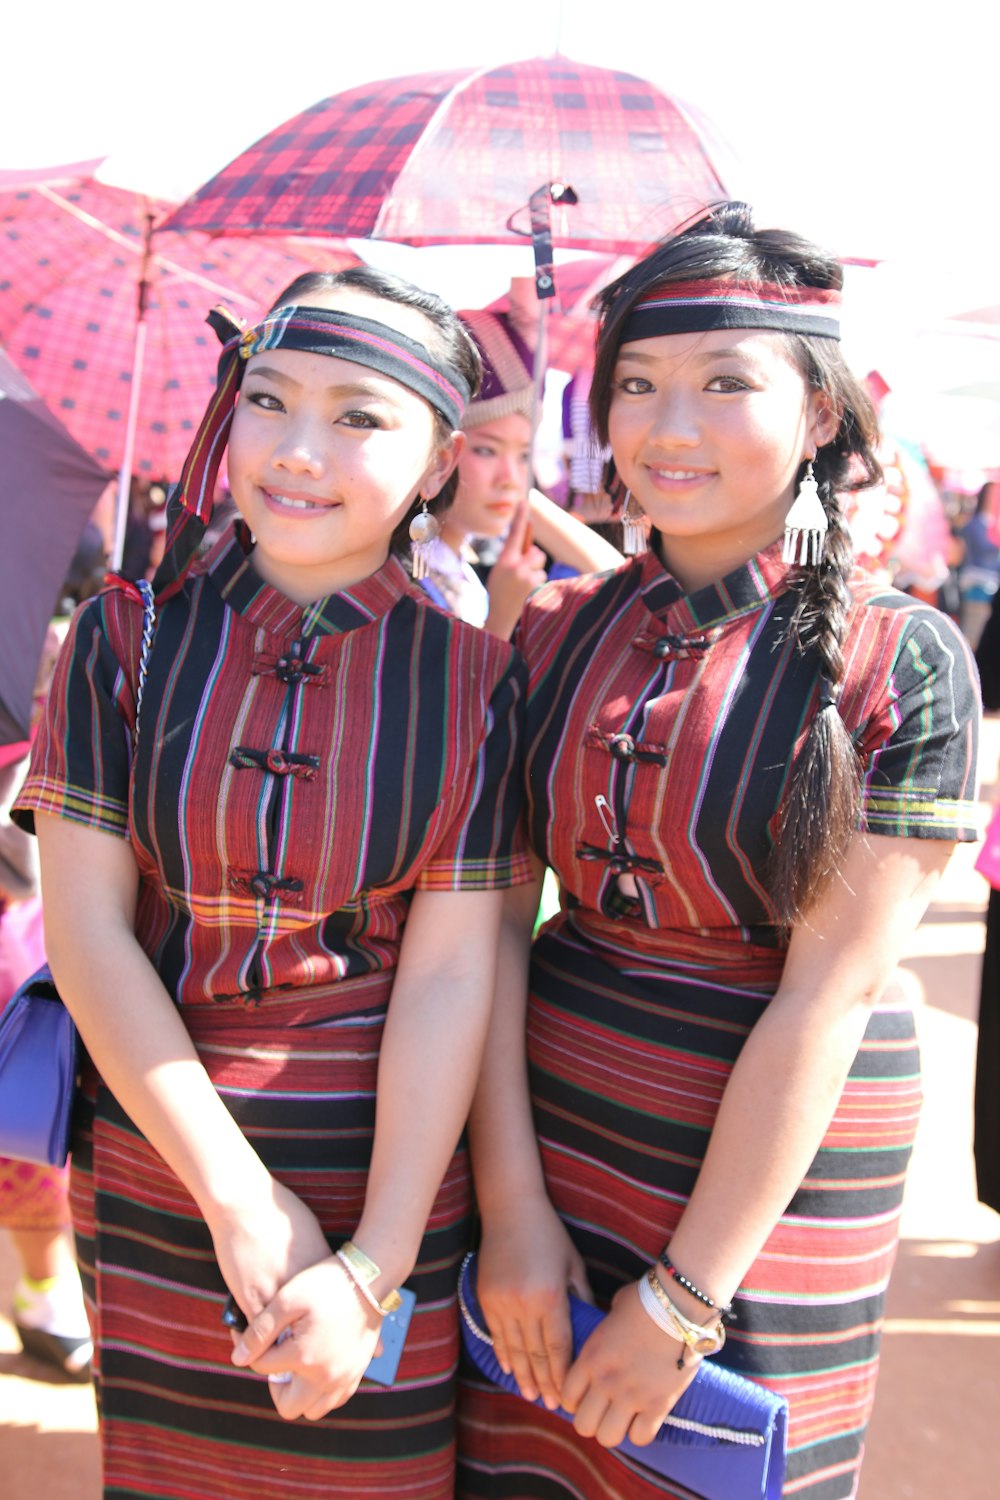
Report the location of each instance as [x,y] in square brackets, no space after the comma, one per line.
[275,924]
[747,764]
[494,495]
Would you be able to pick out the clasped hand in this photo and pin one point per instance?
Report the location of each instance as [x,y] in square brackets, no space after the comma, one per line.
[313,1341]
[625,1379]
[276,1261]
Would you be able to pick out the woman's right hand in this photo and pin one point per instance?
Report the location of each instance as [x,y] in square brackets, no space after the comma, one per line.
[517,572]
[527,1263]
[313,1341]
[261,1245]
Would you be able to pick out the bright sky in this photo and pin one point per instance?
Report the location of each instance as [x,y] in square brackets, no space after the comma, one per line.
[869,124]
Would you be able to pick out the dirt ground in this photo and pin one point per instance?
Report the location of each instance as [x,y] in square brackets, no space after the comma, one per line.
[936,1427]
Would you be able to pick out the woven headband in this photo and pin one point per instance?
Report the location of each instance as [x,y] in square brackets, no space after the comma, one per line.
[701,306]
[309,330]
[319,330]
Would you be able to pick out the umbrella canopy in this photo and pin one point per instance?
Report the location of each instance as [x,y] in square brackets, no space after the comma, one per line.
[48,487]
[455,158]
[984,315]
[572,324]
[72,260]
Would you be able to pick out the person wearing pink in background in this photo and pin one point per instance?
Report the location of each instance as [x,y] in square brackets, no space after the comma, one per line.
[48,1311]
[495,497]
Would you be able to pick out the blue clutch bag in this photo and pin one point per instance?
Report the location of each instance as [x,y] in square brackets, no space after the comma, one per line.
[39,1044]
[38,1066]
[723,1440]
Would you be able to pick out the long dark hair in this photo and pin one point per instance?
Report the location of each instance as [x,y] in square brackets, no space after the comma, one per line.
[820,810]
[446,341]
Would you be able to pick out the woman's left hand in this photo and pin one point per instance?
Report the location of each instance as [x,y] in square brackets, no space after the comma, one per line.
[317,1335]
[625,1379]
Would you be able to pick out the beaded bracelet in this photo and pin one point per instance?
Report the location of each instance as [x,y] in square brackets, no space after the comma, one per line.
[725,1313]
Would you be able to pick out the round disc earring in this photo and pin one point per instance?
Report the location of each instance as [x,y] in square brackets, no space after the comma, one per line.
[424,532]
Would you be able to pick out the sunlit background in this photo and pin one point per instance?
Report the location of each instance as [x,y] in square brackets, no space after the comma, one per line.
[868,125]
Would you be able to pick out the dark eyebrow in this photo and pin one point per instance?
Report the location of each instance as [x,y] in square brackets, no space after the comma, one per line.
[705,358]
[350,388]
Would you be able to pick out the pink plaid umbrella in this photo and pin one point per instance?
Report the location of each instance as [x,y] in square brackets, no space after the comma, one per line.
[97,305]
[455,158]
[571,155]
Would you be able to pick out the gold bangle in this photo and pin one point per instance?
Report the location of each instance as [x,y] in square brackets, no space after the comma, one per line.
[365,1271]
[701,1338]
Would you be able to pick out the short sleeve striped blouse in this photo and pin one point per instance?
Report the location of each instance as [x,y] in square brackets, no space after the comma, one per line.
[661,728]
[299,772]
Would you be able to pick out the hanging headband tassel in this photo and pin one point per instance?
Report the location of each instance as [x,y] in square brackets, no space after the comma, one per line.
[806,524]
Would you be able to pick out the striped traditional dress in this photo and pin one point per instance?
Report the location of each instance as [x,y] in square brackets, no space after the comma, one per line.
[299,773]
[660,732]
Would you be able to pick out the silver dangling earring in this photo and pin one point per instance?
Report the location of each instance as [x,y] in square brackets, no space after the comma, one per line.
[633,527]
[806,524]
[424,532]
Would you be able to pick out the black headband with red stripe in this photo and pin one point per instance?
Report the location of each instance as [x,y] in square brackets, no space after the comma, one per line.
[701,306]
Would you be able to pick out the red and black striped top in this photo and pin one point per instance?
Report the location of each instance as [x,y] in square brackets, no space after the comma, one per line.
[661,729]
[299,772]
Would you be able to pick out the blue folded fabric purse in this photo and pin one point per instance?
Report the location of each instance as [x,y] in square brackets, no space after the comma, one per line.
[39,1043]
[724,1439]
[38,1066]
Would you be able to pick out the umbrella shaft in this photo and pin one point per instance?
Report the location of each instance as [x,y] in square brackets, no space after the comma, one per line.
[125,473]
[538,386]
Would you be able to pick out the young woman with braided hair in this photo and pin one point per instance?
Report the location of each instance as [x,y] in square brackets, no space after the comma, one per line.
[748,764]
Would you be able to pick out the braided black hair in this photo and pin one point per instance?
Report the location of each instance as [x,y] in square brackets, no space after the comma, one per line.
[819,813]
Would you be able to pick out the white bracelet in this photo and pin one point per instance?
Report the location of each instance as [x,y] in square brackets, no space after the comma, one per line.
[702,1338]
[659,1314]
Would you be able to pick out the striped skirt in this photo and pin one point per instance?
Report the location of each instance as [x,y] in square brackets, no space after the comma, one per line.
[629,1057]
[178,1421]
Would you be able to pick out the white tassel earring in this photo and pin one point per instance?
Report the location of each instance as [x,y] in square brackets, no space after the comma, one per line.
[806,524]
[633,527]
[424,532]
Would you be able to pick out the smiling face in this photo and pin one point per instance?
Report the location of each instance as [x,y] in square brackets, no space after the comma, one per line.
[326,457]
[493,475]
[708,431]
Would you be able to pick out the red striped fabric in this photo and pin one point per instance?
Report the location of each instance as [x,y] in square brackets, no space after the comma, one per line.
[412,719]
[343,755]
[660,730]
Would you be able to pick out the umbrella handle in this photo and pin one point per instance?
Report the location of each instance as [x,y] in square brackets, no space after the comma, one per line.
[135,391]
[545,287]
